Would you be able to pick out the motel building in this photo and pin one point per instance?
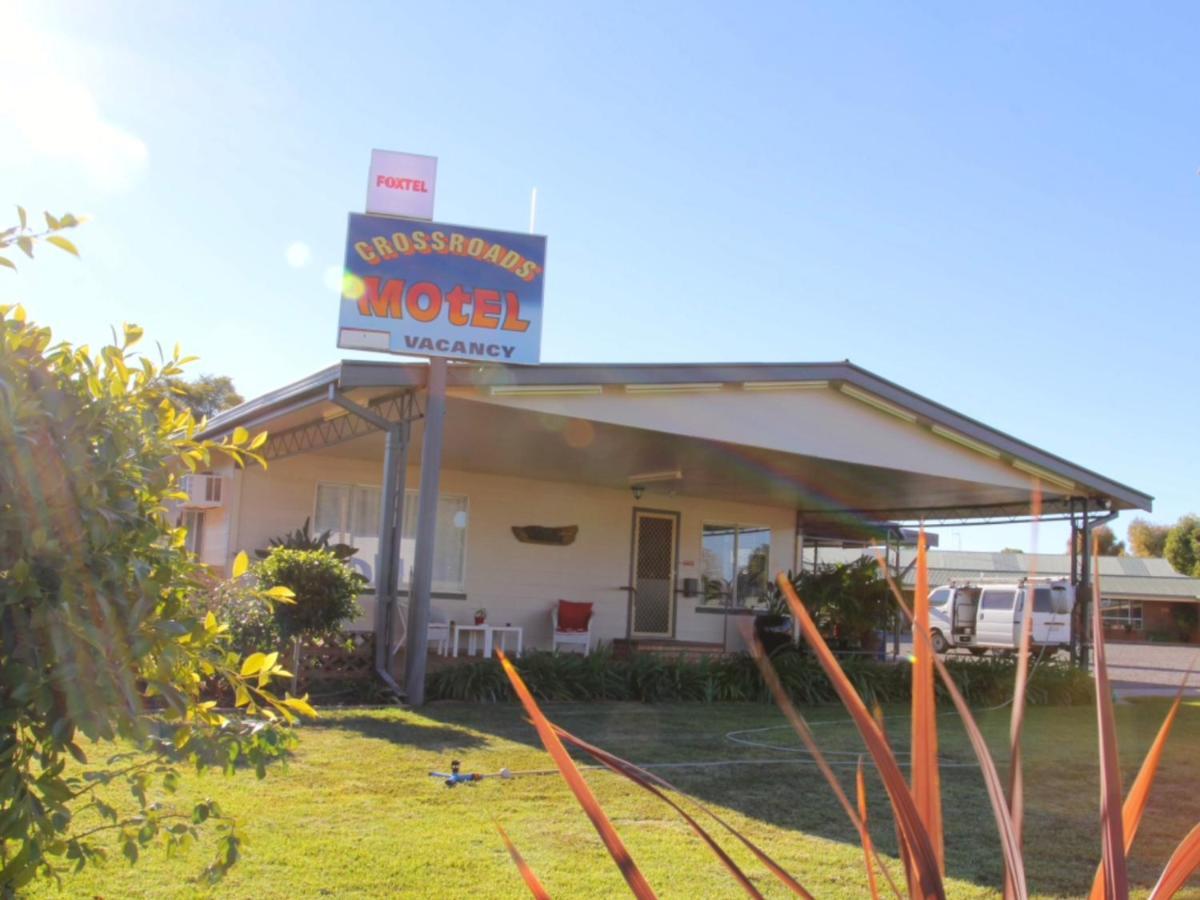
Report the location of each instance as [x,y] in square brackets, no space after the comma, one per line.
[665,496]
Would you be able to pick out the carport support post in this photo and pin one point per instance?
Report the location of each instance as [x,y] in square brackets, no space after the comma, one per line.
[1083,593]
[427,504]
[391,515]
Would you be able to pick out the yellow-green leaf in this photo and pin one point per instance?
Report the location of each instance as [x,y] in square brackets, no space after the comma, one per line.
[300,705]
[210,622]
[240,435]
[240,564]
[259,440]
[281,594]
[252,664]
[10,264]
[62,243]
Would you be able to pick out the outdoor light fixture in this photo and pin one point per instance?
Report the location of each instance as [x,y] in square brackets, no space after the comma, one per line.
[784,385]
[693,387]
[880,404]
[665,475]
[546,390]
[638,490]
[965,441]
[1039,472]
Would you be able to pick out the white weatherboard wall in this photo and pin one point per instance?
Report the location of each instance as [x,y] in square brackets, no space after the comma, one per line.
[516,582]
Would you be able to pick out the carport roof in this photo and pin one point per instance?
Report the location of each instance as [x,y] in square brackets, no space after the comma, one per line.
[379,377]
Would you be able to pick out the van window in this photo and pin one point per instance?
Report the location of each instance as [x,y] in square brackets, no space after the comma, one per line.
[1041,601]
[997,599]
[1060,601]
[939,597]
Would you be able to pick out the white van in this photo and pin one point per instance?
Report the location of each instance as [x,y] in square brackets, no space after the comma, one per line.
[982,617]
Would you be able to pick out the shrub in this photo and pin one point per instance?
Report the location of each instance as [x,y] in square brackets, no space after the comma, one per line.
[303,539]
[849,601]
[102,628]
[249,618]
[649,678]
[325,588]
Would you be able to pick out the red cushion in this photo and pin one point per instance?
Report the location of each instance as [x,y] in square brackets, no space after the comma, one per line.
[573,616]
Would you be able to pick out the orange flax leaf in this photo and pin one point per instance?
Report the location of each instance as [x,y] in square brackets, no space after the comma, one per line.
[1016,776]
[860,784]
[1020,685]
[784,702]
[925,864]
[905,856]
[632,874]
[1183,862]
[926,781]
[1014,864]
[1139,793]
[1116,877]
[531,880]
[644,779]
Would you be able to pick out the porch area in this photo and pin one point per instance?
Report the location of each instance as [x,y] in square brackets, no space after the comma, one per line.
[666,497]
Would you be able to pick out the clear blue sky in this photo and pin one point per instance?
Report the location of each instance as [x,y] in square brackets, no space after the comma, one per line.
[997,207]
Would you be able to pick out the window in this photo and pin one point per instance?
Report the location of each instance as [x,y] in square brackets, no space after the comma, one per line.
[1121,614]
[352,512]
[193,521]
[997,599]
[939,597]
[1051,600]
[735,565]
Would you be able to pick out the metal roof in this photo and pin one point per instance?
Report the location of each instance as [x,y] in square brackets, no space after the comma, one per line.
[852,379]
[1120,576]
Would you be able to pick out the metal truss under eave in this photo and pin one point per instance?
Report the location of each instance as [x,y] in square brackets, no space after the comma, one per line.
[932,517]
[326,432]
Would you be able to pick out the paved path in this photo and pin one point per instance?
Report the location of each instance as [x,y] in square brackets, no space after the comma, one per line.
[1139,669]
[1150,665]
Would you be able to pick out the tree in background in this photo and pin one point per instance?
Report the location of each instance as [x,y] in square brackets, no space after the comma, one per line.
[1106,539]
[102,629]
[1147,539]
[207,395]
[1182,548]
[1012,550]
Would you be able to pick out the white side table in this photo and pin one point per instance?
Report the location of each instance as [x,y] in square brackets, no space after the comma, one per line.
[503,631]
[488,631]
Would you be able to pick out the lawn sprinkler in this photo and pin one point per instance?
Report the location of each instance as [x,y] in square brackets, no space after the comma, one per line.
[454,777]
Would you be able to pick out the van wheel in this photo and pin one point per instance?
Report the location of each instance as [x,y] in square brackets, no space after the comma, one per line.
[978,651]
[940,644]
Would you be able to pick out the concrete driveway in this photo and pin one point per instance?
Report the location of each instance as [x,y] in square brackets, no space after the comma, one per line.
[1137,669]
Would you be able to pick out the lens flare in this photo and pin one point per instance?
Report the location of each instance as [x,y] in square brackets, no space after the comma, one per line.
[352,286]
[579,433]
[297,254]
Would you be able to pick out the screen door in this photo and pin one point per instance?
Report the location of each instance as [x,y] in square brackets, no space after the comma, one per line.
[653,569]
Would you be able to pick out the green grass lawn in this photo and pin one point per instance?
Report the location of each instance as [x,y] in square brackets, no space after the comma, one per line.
[356,815]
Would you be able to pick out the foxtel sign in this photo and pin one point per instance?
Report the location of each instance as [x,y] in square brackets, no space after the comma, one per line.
[424,289]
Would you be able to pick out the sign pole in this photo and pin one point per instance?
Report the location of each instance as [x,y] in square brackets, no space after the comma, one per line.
[427,504]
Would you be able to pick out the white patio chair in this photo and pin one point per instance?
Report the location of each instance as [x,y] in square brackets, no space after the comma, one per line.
[438,631]
[573,638]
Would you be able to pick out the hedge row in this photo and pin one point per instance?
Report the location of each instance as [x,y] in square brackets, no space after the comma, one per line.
[649,678]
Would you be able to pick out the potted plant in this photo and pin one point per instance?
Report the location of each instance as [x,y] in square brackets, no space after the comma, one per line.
[849,602]
[773,624]
[480,616]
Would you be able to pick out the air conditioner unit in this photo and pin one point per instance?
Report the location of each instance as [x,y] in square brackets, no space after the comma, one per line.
[203,491]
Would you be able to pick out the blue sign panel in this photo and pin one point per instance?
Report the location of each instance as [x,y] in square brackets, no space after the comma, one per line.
[426,289]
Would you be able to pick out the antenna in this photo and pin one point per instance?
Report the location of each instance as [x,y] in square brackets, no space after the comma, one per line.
[532,210]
